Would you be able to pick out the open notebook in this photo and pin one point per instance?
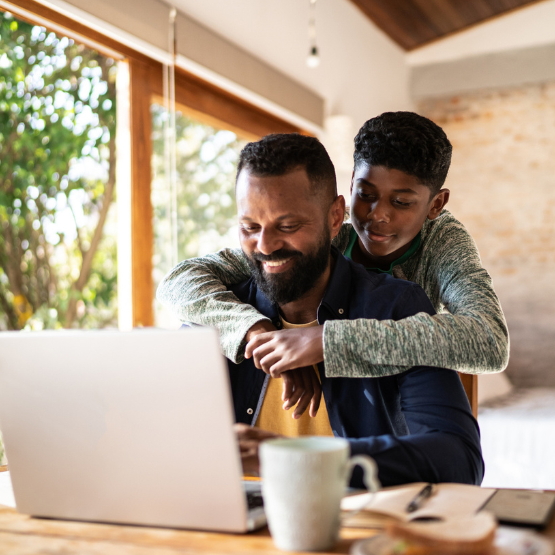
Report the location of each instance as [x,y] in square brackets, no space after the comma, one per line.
[448,502]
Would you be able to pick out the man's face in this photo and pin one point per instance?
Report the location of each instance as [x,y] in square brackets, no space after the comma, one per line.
[284,232]
[388,209]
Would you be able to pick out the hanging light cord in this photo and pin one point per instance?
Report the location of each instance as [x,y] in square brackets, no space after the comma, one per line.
[313,59]
[170,158]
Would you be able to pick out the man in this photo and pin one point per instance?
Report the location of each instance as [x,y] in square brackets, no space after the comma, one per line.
[417,425]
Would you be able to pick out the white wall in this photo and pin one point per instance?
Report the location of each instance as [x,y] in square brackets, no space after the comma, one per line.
[362,72]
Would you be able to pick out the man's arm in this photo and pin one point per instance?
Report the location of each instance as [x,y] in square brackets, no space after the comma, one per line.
[444,440]
[443,445]
[471,338]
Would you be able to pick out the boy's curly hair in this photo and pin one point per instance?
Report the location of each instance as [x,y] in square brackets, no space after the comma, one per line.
[406,142]
[280,153]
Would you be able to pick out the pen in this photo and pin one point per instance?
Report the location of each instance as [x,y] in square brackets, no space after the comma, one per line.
[421,496]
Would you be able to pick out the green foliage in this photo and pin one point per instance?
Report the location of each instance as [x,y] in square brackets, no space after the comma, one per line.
[206,164]
[57,133]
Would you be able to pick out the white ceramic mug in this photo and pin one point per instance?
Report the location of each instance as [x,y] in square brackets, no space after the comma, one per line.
[303,482]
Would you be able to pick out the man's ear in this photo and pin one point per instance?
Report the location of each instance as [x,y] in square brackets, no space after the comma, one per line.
[351,187]
[438,203]
[336,215]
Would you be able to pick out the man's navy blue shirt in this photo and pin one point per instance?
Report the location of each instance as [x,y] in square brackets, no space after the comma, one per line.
[417,425]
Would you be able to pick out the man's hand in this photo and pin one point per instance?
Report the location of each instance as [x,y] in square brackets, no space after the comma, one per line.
[249,439]
[278,351]
[300,385]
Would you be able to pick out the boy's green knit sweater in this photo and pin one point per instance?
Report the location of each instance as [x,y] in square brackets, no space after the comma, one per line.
[469,333]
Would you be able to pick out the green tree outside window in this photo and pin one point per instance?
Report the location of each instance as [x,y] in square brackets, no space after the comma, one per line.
[57,178]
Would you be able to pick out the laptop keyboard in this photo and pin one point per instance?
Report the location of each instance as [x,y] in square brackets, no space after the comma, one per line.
[254,500]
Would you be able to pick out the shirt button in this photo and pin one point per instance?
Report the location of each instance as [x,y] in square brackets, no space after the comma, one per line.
[249,411]
[340,311]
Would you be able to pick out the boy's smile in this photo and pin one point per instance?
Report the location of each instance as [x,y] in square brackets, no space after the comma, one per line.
[388,209]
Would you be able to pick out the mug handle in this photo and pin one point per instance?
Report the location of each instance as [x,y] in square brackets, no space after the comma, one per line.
[370,479]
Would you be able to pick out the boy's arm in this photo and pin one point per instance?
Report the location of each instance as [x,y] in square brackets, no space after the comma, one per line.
[471,338]
[444,441]
[195,291]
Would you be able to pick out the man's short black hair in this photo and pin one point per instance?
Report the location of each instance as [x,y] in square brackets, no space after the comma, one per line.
[280,153]
[406,142]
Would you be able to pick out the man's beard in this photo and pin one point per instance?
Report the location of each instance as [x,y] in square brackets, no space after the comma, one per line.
[286,287]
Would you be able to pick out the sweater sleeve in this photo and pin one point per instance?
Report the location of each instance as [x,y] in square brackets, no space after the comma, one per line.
[443,444]
[470,335]
[196,291]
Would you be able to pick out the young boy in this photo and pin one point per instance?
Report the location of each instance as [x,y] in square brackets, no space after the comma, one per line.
[399,225]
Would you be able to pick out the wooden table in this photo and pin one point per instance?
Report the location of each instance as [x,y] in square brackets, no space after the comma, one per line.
[23,535]
[30,536]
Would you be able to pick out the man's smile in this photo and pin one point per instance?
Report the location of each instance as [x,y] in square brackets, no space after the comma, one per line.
[275,266]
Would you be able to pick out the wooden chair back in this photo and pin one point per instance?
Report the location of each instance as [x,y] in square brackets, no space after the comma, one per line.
[470,384]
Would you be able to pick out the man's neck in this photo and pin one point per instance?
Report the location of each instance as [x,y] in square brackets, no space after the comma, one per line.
[305,309]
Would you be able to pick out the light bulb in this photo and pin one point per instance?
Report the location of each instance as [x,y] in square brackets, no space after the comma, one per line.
[313,59]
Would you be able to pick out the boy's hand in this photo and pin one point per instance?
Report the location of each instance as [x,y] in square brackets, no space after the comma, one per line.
[301,386]
[276,352]
[260,327]
[249,440]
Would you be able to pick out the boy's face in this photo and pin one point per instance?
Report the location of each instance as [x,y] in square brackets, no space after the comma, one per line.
[388,209]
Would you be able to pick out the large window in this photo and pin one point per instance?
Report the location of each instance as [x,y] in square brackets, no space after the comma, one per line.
[57,179]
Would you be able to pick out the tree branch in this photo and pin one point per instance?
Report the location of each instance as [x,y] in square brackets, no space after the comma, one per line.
[79,242]
[10,313]
[86,264]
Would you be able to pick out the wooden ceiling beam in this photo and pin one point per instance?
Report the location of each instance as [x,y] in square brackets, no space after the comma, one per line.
[413,23]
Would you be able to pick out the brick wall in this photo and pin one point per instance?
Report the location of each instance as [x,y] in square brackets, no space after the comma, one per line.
[502,182]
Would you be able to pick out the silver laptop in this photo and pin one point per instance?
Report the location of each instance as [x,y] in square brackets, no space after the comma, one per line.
[123,427]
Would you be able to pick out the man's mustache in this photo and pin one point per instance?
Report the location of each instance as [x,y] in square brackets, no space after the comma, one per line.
[282,254]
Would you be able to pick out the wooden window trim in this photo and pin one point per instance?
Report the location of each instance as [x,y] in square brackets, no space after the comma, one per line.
[210,103]
[61,23]
[219,105]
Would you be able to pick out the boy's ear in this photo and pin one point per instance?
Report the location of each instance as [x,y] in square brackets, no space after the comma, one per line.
[438,203]
[336,215]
